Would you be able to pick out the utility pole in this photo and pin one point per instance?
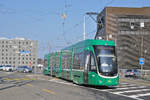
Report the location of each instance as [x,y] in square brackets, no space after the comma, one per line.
[142,56]
[49,49]
[84,19]
[84,28]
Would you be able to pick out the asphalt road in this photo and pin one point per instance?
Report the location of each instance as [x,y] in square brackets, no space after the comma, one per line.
[23,86]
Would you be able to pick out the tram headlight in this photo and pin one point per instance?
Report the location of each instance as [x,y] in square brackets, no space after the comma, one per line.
[109,81]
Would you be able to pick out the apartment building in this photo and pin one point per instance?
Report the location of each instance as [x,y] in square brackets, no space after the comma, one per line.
[130,29]
[18,52]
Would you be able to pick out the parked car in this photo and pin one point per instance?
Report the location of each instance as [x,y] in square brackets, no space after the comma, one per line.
[24,69]
[8,68]
[1,67]
[132,73]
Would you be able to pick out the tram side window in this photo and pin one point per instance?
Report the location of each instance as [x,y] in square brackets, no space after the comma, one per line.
[63,62]
[58,60]
[66,59]
[50,63]
[92,62]
[69,60]
[76,64]
[79,61]
[45,62]
[53,61]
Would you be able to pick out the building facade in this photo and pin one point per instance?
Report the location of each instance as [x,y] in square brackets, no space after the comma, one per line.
[130,29]
[18,52]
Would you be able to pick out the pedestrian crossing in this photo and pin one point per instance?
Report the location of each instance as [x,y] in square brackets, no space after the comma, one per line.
[133,91]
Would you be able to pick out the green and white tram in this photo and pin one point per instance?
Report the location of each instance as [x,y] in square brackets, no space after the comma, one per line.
[91,62]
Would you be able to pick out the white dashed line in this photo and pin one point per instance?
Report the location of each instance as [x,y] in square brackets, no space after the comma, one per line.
[129,91]
[139,95]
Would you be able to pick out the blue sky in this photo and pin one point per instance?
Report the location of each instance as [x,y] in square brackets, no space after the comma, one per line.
[41,20]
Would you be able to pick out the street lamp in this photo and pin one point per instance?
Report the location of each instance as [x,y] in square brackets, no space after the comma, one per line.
[84,21]
[141,26]
[84,27]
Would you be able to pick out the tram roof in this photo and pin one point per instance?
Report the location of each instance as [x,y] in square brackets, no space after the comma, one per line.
[86,43]
[90,42]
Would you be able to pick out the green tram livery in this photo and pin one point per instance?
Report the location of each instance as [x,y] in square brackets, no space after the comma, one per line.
[91,62]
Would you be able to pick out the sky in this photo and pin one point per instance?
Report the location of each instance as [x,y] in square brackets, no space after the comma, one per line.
[42,20]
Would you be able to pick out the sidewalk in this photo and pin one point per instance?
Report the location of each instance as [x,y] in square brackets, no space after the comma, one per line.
[135,81]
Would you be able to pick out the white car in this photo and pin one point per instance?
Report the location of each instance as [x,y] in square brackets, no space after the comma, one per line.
[8,68]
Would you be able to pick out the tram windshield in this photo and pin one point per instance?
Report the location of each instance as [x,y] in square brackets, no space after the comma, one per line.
[106,59]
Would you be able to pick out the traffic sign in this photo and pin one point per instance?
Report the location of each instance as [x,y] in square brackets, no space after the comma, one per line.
[141,61]
[24,52]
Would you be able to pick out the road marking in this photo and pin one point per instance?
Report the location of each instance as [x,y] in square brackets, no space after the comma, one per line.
[25,78]
[128,96]
[33,79]
[123,83]
[54,79]
[48,91]
[126,85]
[116,94]
[139,95]
[6,78]
[16,79]
[66,83]
[129,91]
[125,88]
[30,85]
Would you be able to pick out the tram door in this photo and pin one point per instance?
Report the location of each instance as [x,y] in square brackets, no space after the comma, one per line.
[86,68]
